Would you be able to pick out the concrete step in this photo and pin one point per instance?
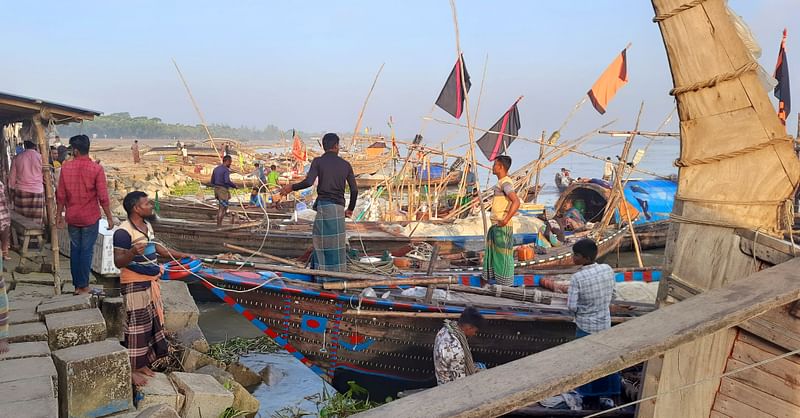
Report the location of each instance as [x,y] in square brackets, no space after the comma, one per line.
[26,350]
[65,303]
[159,390]
[114,313]
[23,316]
[158,411]
[35,408]
[26,368]
[180,311]
[205,397]
[32,331]
[40,387]
[67,329]
[94,379]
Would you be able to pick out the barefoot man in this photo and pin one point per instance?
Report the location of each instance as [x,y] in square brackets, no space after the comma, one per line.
[135,254]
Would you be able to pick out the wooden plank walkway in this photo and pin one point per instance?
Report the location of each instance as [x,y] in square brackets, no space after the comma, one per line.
[519,383]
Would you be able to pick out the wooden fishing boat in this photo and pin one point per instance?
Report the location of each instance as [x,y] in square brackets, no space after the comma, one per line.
[649,203]
[194,210]
[383,344]
[368,183]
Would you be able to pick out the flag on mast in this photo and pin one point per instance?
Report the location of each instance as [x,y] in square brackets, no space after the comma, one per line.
[451,98]
[298,148]
[782,89]
[612,79]
[501,134]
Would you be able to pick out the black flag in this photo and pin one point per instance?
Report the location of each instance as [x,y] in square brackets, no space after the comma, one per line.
[451,99]
[501,134]
[782,89]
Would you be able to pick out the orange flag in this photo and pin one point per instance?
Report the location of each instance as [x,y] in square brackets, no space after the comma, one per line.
[299,149]
[612,79]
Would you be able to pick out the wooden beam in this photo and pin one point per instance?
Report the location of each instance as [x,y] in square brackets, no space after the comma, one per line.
[766,247]
[49,200]
[757,399]
[519,383]
[59,112]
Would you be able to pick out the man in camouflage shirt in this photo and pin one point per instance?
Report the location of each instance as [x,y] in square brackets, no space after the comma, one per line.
[452,358]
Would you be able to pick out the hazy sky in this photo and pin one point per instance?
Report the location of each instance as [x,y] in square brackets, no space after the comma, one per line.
[309,64]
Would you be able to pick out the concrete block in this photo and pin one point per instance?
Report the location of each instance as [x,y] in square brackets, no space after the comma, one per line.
[158,411]
[26,350]
[94,379]
[35,408]
[243,374]
[65,303]
[192,360]
[32,331]
[114,313]
[40,387]
[193,337]
[271,375]
[180,311]
[205,397]
[26,290]
[43,279]
[67,329]
[158,390]
[23,316]
[26,368]
[24,303]
[242,399]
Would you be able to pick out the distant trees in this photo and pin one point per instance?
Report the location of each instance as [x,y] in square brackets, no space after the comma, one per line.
[122,125]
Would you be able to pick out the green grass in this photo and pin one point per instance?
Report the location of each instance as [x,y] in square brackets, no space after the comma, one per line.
[230,350]
[338,405]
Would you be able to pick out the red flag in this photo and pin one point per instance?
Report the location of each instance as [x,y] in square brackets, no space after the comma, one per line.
[451,98]
[299,149]
[782,89]
[501,134]
[612,79]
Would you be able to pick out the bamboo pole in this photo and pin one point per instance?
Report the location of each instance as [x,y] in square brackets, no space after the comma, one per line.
[364,106]
[50,201]
[538,170]
[470,128]
[196,108]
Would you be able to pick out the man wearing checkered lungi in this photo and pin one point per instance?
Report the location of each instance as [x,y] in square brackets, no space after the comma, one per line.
[27,185]
[135,254]
[329,235]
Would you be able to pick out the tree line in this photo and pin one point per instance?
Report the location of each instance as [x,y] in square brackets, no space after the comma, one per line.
[123,125]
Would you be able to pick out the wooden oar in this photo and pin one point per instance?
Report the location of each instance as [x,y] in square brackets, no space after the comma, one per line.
[361,284]
[261,254]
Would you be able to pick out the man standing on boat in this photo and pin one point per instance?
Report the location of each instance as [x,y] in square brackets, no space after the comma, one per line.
[498,260]
[563,180]
[221,181]
[329,235]
[608,169]
[136,255]
[452,358]
[591,290]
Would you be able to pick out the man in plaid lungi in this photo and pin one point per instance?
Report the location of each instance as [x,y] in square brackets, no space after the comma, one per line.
[135,254]
[329,234]
[25,180]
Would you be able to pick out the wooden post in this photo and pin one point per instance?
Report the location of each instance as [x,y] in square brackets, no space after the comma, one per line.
[538,170]
[470,130]
[431,264]
[49,198]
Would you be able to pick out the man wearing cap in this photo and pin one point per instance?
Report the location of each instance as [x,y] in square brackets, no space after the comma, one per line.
[82,191]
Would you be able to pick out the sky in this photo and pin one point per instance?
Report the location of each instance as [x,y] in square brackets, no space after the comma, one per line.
[309,65]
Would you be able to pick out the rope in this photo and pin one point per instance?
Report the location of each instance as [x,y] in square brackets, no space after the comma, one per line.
[721,224]
[724,156]
[679,9]
[729,202]
[750,66]
[701,381]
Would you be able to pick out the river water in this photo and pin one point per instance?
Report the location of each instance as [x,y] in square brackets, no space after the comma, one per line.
[296,382]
